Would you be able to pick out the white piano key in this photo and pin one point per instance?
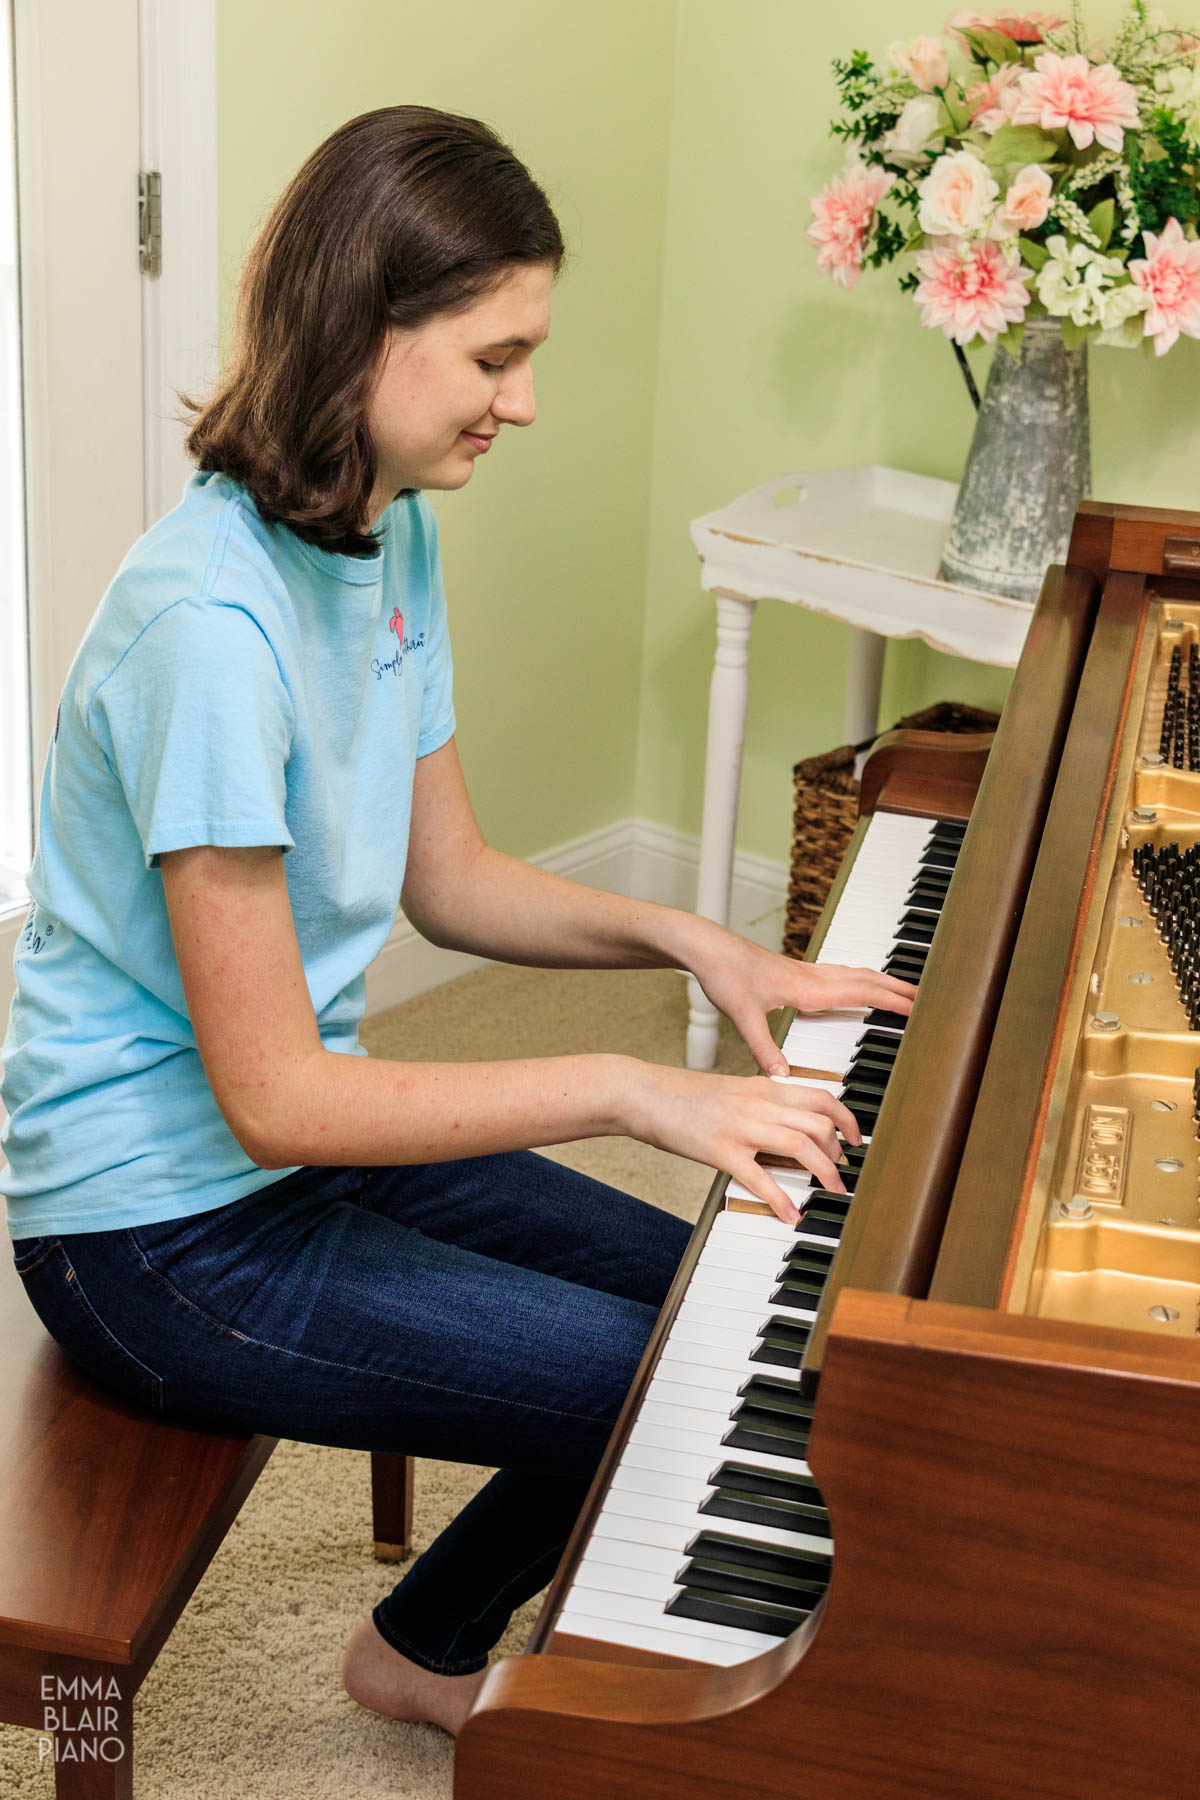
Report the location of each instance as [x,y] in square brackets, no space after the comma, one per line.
[640,1612]
[638,1637]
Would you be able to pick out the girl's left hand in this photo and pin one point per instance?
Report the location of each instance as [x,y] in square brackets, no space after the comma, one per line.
[746,982]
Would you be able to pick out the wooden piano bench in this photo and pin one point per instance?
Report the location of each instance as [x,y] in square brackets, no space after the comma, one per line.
[109,1516]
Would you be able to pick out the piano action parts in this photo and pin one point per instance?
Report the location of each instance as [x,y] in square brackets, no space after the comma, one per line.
[905,1501]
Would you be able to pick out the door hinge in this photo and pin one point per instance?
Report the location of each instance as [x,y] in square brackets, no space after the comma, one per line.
[150,221]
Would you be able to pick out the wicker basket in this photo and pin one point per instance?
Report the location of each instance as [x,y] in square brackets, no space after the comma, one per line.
[826,813]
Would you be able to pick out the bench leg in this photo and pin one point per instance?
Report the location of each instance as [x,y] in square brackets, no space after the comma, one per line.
[392,1505]
[90,1715]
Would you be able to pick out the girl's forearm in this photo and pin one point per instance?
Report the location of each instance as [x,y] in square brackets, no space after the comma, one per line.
[343,1110]
[512,912]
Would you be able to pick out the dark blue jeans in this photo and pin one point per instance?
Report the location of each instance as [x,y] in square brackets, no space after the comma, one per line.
[487,1311]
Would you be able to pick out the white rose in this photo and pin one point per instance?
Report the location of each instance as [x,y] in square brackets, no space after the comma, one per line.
[956,196]
[927,63]
[910,140]
[923,61]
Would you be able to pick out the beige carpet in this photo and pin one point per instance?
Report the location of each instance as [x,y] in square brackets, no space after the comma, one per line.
[245,1700]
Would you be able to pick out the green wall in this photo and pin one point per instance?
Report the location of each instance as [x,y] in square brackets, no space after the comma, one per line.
[695,352]
[545,549]
[765,366]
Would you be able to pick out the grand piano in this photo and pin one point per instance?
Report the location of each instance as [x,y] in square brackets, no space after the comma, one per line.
[905,1500]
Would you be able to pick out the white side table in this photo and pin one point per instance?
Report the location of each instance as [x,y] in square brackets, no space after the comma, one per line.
[861,544]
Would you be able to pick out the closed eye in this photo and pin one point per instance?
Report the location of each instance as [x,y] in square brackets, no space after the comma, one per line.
[492,368]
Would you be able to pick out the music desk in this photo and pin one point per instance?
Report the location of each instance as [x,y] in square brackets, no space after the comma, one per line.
[862,544]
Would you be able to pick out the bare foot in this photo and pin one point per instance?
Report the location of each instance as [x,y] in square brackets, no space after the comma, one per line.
[382,1680]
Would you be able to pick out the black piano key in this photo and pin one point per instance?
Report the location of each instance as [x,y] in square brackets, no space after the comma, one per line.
[949,831]
[757,1509]
[781,1342]
[910,952]
[751,1555]
[771,1394]
[747,1615]
[836,1204]
[865,1086]
[861,1078]
[882,1042]
[879,1020]
[864,1113]
[749,1508]
[711,1574]
[813,1258]
[753,1428]
[926,899]
[819,1222]
[937,857]
[915,928]
[903,970]
[803,1292]
[854,1154]
[793,1485]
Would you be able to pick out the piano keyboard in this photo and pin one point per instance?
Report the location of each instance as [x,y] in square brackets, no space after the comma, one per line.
[712,1542]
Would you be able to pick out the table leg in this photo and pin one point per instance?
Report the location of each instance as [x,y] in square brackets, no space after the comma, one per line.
[722,781]
[864,681]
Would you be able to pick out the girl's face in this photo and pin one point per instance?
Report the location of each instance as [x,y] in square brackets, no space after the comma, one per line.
[447,387]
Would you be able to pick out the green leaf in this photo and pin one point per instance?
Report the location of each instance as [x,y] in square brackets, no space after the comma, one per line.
[1033,255]
[1073,335]
[991,46]
[1015,146]
[1011,339]
[1101,220]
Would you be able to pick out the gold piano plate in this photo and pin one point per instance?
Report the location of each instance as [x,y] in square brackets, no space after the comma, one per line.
[1117,1197]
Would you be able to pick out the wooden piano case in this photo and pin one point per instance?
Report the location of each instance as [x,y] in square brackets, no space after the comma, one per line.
[1015,1495]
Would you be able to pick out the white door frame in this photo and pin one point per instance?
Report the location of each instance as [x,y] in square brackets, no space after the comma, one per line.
[101,89]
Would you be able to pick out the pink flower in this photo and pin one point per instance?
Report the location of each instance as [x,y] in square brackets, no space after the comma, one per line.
[923,61]
[1023,28]
[993,102]
[1028,27]
[1170,273]
[970,290]
[842,215]
[1091,102]
[1027,201]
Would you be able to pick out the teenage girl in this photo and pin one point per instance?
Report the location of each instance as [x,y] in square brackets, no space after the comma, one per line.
[219,1206]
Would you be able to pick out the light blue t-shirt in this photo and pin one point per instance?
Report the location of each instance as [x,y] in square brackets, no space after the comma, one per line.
[236,686]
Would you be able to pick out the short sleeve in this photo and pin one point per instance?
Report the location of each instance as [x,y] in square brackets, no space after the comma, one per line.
[437,699]
[196,723]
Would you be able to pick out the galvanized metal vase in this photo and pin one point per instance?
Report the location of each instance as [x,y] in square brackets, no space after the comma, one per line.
[1029,467]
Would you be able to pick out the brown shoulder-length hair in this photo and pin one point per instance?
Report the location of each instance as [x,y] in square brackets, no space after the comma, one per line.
[401,215]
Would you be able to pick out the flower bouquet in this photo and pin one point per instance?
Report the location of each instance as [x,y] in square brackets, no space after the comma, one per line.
[1024,173]
[1037,191]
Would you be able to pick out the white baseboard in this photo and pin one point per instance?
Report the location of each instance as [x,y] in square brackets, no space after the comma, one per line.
[634,857]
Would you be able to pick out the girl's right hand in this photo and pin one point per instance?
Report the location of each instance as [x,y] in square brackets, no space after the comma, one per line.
[725,1120]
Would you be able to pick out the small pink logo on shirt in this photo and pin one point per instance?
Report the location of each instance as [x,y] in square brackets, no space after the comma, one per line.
[397,624]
